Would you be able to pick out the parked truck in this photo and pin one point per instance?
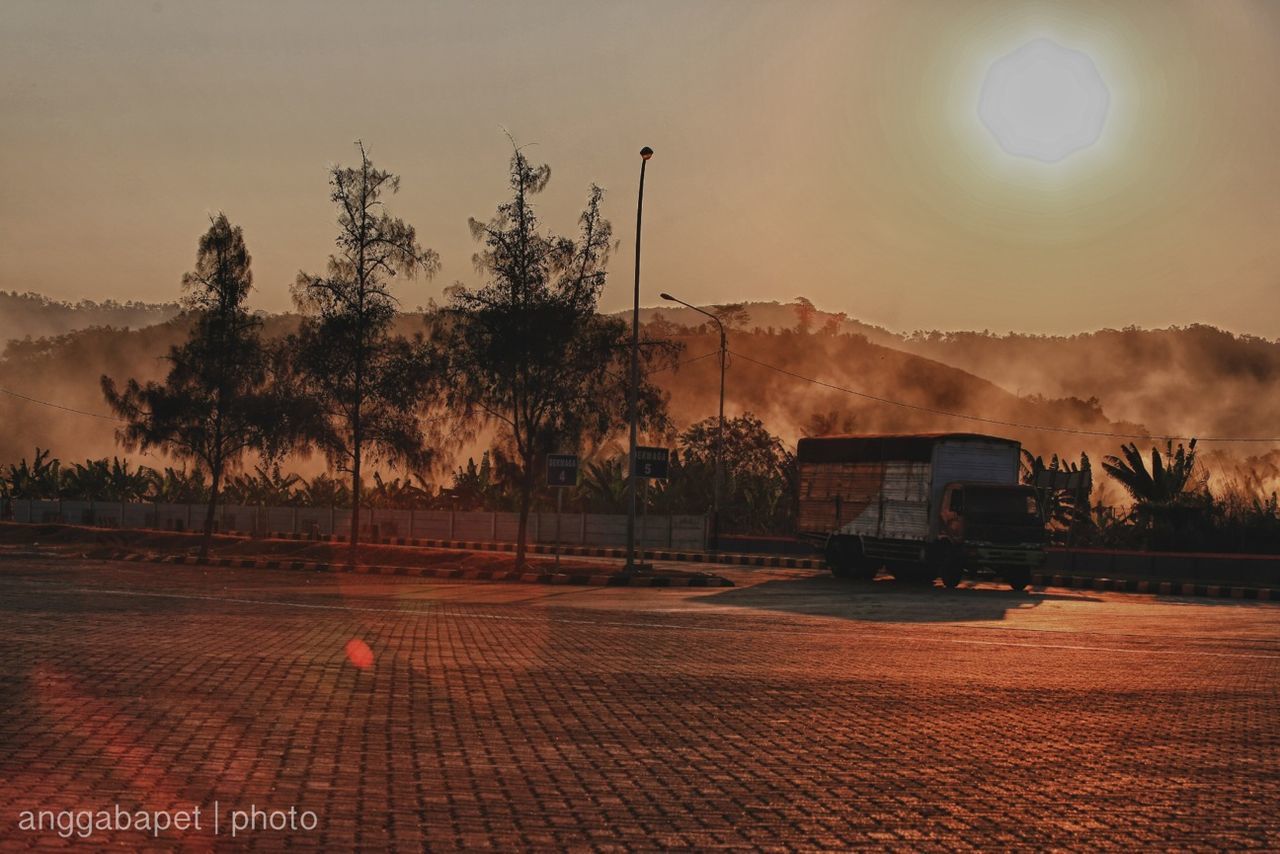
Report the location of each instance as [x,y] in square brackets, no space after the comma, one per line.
[923,506]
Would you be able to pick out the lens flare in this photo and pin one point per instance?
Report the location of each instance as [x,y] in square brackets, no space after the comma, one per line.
[359,654]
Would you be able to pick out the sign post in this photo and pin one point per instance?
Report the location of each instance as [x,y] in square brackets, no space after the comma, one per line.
[649,462]
[562,473]
[559,506]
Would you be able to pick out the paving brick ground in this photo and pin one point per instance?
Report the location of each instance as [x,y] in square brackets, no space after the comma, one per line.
[791,711]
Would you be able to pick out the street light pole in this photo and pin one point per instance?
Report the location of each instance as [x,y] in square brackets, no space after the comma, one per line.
[633,392]
[719,473]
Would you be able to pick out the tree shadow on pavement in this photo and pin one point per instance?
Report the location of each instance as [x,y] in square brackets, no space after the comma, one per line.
[884,600]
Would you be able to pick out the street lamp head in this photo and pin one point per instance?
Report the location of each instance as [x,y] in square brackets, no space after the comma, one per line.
[667,297]
[646,153]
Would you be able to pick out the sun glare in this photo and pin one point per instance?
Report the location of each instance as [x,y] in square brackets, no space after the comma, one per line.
[1044,101]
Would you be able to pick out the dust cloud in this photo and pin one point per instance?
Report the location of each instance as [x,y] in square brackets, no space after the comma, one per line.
[1182,381]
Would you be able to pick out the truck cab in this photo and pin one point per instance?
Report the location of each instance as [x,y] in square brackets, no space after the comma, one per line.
[996,526]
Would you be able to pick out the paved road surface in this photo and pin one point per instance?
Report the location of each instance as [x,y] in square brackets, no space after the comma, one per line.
[790,711]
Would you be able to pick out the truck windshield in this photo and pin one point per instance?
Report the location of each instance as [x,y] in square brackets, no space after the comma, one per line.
[1000,502]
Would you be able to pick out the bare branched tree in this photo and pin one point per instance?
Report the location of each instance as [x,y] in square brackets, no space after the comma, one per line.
[529,351]
[361,386]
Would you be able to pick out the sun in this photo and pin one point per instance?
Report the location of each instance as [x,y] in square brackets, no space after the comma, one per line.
[1044,101]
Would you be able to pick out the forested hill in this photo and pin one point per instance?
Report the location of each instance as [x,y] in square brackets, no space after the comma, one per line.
[1182,381]
[28,314]
[1194,380]
[65,370]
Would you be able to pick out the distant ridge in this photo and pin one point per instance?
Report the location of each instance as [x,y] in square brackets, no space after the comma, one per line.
[1181,380]
[34,315]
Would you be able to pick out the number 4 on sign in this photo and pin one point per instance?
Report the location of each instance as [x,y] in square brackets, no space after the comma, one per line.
[562,470]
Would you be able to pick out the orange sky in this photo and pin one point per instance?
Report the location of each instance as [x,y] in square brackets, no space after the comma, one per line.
[829,149]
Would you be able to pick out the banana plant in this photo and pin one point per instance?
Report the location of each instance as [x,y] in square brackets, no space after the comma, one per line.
[89,481]
[325,491]
[178,486]
[125,484]
[1169,478]
[604,486]
[399,493]
[39,479]
[1064,509]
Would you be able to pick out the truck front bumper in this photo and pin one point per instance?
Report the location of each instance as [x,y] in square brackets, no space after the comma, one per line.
[1029,555]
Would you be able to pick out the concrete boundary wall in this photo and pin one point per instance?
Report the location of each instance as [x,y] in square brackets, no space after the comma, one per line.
[588,529]
[1246,570]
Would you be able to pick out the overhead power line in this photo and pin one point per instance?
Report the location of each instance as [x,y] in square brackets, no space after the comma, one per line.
[1000,422]
[12,393]
[714,352]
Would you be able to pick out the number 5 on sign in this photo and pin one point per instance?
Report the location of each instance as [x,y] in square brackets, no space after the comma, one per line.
[651,462]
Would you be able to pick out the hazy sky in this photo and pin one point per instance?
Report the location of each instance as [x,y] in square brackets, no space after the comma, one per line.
[830,149]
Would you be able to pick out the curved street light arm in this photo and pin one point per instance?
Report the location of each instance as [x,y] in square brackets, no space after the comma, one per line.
[719,323]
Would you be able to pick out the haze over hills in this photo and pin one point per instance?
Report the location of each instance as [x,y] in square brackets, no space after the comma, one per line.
[1195,380]
[36,316]
[1182,381]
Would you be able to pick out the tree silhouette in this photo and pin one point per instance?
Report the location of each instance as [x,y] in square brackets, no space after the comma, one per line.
[178,486]
[805,313]
[475,487]
[733,315]
[38,480]
[829,423]
[831,326]
[529,352]
[759,472]
[265,485]
[399,493]
[360,388]
[1166,500]
[604,485]
[214,405]
[1167,479]
[103,480]
[324,491]
[1065,508]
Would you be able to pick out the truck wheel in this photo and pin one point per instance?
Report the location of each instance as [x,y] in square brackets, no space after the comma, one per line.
[866,569]
[840,557]
[946,561]
[953,568]
[1018,578]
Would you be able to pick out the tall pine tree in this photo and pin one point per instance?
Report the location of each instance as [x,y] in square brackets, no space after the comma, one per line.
[528,350]
[215,403]
[363,385]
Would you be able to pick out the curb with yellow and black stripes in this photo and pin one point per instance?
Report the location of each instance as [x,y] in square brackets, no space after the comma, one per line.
[1071,582]
[1159,588]
[578,578]
[723,558]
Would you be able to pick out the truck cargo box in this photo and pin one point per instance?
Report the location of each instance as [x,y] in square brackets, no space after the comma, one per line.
[888,486]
